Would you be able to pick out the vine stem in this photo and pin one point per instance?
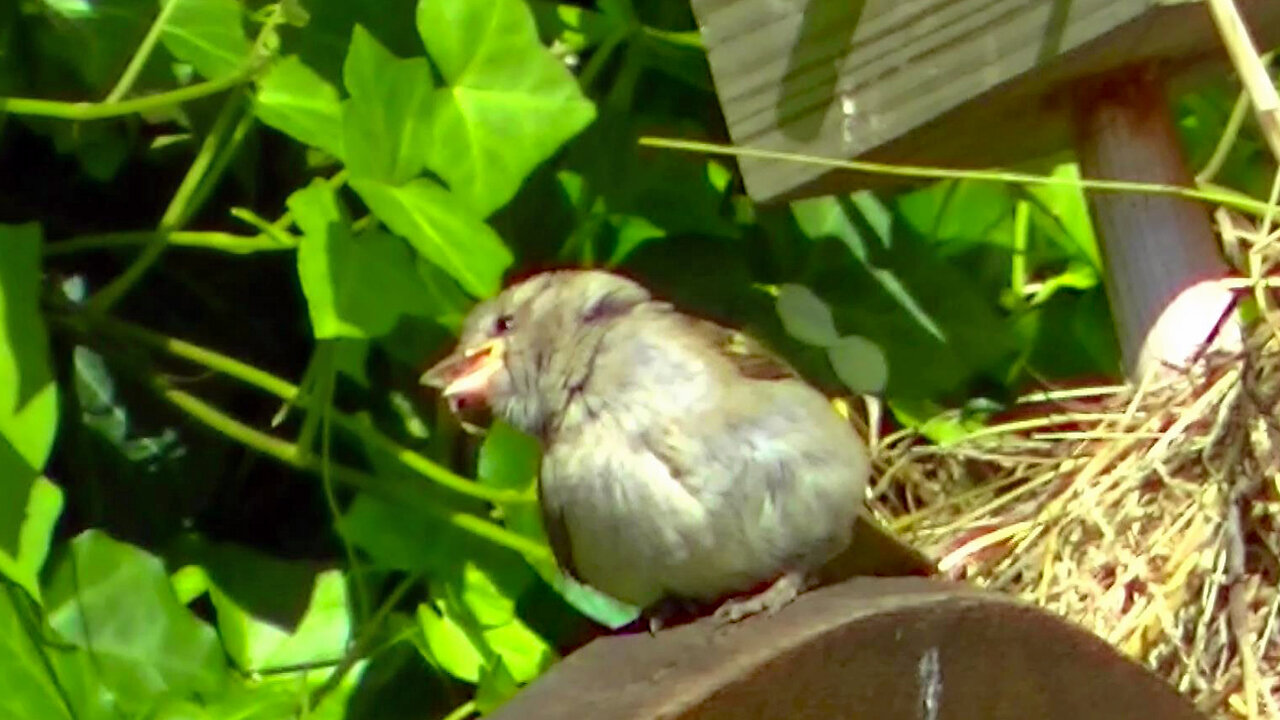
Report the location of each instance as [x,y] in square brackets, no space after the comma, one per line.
[399,493]
[139,59]
[210,240]
[180,206]
[1208,192]
[362,643]
[81,111]
[283,389]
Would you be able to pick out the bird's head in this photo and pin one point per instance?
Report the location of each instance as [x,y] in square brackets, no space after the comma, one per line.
[523,354]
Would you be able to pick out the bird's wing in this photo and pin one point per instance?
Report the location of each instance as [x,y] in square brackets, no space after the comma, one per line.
[748,356]
[557,533]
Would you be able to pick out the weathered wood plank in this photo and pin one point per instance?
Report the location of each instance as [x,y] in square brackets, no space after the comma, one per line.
[882,648]
[946,82]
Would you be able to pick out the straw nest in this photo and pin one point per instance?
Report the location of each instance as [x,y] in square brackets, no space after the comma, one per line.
[1149,515]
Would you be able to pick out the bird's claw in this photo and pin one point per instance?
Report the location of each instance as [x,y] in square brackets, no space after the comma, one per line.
[767,601]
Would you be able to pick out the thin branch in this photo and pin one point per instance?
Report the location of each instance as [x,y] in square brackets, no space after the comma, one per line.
[398,493]
[1208,193]
[81,111]
[140,56]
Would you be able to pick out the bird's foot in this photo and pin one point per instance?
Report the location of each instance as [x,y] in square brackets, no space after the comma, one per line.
[767,601]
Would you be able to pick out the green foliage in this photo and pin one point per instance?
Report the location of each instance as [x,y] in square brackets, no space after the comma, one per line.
[239,231]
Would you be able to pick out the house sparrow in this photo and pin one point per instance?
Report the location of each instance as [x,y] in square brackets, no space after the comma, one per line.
[680,459]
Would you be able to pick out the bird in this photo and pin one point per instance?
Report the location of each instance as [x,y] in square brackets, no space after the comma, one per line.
[682,462]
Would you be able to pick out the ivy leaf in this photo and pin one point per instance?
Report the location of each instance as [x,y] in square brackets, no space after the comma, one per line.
[43,680]
[356,287]
[805,316]
[29,504]
[496,686]
[860,364]
[28,395]
[29,509]
[449,236]
[209,34]
[385,123]
[508,103]
[298,102]
[259,644]
[116,600]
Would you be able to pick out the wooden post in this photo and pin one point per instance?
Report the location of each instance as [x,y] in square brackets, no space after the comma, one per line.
[1163,262]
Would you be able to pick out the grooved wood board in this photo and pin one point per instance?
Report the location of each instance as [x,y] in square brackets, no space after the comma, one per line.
[961,83]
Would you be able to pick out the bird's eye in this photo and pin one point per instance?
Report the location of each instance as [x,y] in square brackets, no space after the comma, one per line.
[503,324]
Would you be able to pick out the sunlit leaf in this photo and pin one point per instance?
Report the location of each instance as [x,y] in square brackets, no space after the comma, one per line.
[385,122]
[260,644]
[448,235]
[448,645]
[508,103]
[356,286]
[28,395]
[40,680]
[115,600]
[297,101]
[496,686]
[29,508]
[29,504]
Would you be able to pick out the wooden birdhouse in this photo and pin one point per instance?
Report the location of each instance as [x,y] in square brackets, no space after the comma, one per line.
[986,83]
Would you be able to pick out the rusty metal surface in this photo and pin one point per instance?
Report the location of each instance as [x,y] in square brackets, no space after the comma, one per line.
[883,648]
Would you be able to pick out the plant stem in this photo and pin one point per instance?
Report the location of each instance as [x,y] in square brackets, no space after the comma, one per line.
[288,392]
[180,209]
[362,643]
[1208,193]
[465,710]
[220,241]
[401,494]
[139,59]
[81,111]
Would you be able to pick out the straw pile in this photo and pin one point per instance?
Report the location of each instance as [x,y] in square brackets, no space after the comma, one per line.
[1150,516]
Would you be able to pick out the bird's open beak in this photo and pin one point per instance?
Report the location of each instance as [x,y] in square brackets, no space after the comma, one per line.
[466,373]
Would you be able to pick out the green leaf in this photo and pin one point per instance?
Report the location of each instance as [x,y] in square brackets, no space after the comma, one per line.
[1063,215]
[209,34]
[260,644]
[385,122]
[29,508]
[116,601]
[805,316]
[938,328]
[29,504]
[496,686]
[464,650]
[448,646]
[297,101]
[508,105]
[356,287]
[44,680]
[28,395]
[860,364]
[430,218]
[95,38]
